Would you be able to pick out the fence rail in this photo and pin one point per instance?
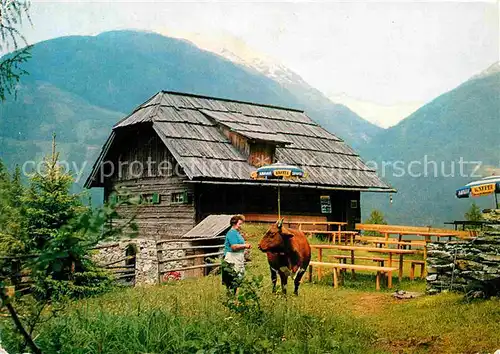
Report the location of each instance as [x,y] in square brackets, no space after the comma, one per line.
[190,257]
[117,261]
[191,239]
[192,248]
[207,265]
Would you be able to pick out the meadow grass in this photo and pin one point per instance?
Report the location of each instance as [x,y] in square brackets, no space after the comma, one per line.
[190,316]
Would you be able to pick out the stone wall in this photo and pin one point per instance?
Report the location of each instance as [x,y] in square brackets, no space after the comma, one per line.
[465,265]
[146,263]
[168,250]
[153,259]
[491,215]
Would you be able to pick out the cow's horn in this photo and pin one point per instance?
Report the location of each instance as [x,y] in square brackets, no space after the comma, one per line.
[280,223]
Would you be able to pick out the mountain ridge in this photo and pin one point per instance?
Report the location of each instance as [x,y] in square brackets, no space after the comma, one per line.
[446,138]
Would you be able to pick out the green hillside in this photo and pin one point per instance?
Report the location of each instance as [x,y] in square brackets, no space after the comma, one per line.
[461,125]
[79,86]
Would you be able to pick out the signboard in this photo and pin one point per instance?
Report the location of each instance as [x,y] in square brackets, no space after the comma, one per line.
[463,192]
[326,205]
[483,189]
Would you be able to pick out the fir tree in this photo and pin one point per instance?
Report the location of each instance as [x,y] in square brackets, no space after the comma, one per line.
[474,214]
[376,217]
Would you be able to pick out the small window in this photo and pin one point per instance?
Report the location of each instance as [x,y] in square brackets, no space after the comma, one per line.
[354,204]
[151,198]
[180,198]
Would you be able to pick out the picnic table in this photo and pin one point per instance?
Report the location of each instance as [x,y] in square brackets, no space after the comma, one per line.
[328,225]
[413,230]
[352,249]
[382,241]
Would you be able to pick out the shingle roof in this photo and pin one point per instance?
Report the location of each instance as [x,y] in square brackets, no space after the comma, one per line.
[210,227]
[188,125]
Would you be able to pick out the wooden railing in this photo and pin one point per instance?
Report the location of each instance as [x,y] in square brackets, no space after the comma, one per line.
[415,230]
[161,262]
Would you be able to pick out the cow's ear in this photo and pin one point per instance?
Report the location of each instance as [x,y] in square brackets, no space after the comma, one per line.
[286,232]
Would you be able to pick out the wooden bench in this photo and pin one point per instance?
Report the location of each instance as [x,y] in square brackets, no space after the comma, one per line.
[332,235]
[339,266]
[381,241]
[413,263]
[344,258]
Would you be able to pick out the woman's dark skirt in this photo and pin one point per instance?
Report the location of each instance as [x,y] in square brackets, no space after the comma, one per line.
[230,277]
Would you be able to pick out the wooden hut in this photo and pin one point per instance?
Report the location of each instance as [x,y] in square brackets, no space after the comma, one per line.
[189,156]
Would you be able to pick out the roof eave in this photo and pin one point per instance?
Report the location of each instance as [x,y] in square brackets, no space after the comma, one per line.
[294,185]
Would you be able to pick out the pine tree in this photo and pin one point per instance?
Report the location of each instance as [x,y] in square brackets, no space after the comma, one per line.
[49,205]
[62,232]
[474,213]
[376,217]
[11,231]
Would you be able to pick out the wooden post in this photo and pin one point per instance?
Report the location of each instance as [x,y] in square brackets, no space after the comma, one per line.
[352,262]
[320,259]
[400,237]
[310,273]
[425,259]
[389,275]
[412,271]
[339,229]
[160,258]
[335,278]
[377,281]
[279,203]
[400,276]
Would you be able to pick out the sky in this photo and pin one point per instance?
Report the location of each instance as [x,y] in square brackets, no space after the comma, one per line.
[382,58]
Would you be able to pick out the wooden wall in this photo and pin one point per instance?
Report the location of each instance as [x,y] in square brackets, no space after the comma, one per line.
[261,154]
[221,199]
[165,219]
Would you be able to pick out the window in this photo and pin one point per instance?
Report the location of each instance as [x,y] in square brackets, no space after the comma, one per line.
[150,198]
[354,204]
[180,198]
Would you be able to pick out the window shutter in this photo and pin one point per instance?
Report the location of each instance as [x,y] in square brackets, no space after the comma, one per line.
[155,198]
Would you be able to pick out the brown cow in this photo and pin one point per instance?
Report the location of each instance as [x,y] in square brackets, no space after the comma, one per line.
[287,252]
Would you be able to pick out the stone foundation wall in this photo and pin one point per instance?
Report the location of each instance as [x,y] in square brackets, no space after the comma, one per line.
[465,265]
[149,268]
[167,250]
[146,263]
[491,215]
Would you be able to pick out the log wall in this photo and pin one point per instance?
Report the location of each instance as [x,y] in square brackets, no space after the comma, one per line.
[148,168]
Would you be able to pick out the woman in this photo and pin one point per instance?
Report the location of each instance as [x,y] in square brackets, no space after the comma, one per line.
[233,265]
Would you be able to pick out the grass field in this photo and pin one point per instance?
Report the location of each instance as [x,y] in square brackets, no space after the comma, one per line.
[190,317]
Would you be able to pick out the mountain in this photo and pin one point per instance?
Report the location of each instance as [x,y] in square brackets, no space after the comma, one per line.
[382,115]
[445,144]
[337,118]
[79,86]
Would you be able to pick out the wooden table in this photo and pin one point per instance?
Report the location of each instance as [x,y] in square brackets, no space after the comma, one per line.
[382,241]
[338,224]
[352,249]
[413,230]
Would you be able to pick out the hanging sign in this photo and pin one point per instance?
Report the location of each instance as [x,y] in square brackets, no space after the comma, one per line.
[326,205]
[483,189]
